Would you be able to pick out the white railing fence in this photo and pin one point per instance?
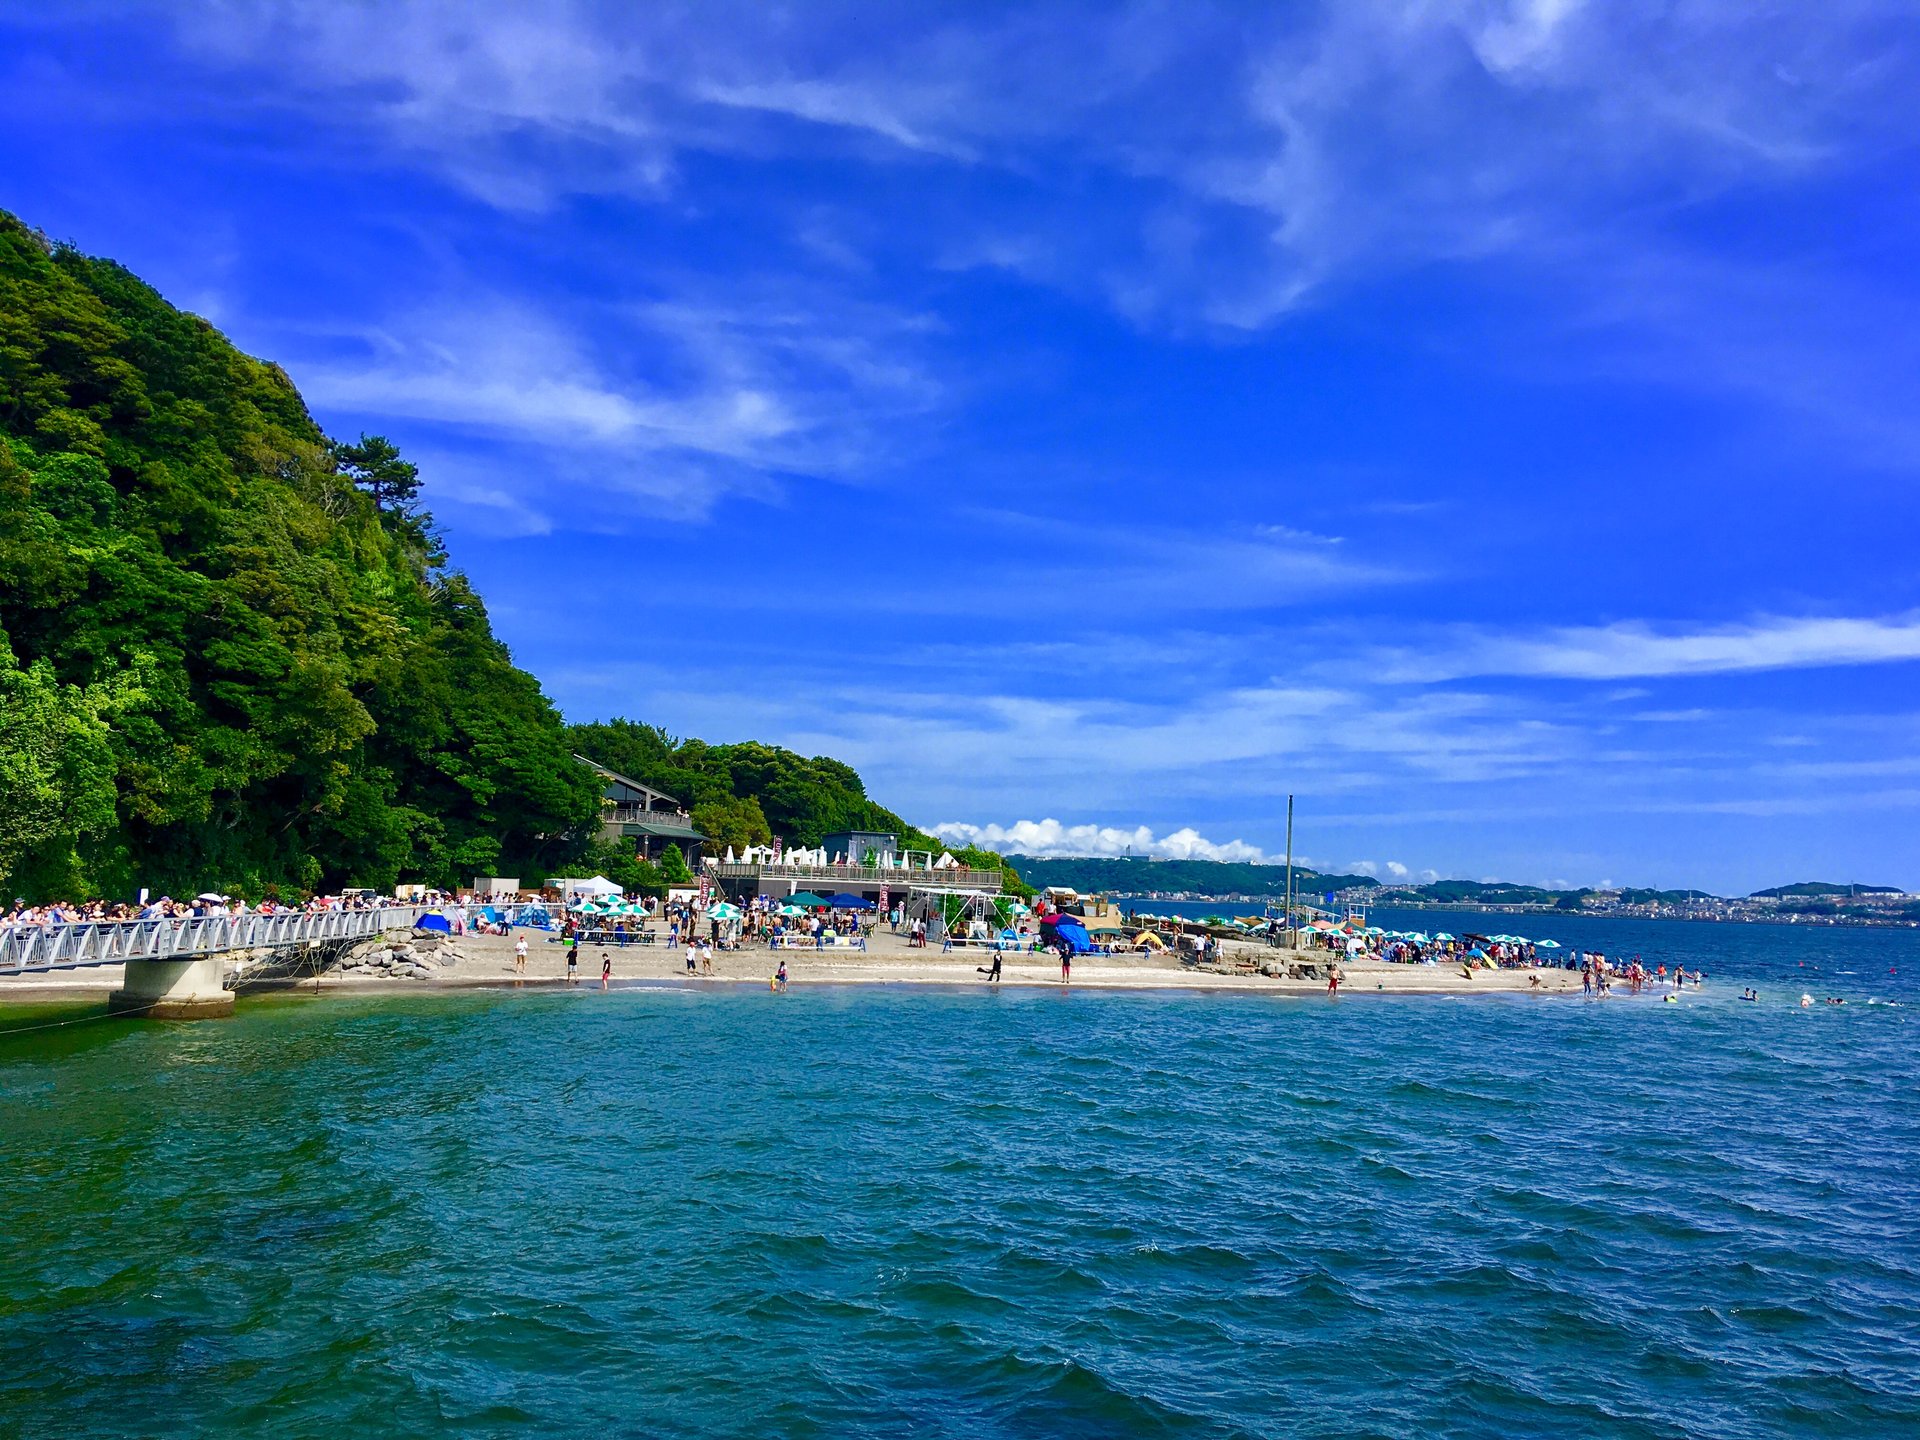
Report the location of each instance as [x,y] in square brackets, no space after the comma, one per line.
[112,942]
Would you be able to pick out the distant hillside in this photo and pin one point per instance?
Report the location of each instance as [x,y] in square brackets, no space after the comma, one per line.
[1812,889]
[1097,875]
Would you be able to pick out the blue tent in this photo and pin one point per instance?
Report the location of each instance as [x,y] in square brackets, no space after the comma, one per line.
[434,922]
[1067,930]
[850,902]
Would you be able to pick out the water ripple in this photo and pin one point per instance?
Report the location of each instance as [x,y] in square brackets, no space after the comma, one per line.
[879,1213]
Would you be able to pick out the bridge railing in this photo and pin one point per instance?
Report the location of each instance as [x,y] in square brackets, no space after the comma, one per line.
[190,937]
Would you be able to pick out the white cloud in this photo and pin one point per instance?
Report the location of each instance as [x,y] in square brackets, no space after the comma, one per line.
[1637,650]
[1231,165]
[1050,837]
[732,396]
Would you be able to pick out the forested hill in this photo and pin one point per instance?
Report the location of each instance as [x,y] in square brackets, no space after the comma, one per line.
[746,793]
[231,650]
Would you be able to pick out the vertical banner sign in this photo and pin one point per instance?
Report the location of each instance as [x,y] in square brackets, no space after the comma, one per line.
[706,887]
[776,849]
[885,893]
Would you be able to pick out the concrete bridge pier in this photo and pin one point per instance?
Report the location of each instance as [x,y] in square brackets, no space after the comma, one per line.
[173,990]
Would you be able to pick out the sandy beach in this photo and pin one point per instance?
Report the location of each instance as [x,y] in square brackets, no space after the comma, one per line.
[471,961]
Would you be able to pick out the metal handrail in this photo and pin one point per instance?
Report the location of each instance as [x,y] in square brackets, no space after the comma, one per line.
[831,875]
[26,946]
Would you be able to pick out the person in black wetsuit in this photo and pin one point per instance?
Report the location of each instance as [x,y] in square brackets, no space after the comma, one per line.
[994,973]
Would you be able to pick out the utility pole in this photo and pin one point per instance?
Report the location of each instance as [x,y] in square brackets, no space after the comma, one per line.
[1292,939]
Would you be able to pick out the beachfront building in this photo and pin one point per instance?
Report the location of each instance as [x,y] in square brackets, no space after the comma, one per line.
[893,875]
[650,818]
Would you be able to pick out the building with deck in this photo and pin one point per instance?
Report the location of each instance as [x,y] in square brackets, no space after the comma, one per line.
[650,818]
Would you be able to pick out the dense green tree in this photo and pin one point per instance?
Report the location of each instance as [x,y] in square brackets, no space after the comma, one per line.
[320,701]
[731,823]
[673,866]
[374,464]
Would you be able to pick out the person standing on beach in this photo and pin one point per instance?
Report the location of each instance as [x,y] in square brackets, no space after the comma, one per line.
[690,957]
[706,958]
[520,955]
[994,973]
[1333,980]
[573,956]
[606,969]
[1066,964]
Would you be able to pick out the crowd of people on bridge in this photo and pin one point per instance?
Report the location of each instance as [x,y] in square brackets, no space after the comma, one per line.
[94,912]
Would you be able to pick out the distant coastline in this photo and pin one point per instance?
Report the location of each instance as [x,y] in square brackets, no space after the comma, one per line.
[1155,881]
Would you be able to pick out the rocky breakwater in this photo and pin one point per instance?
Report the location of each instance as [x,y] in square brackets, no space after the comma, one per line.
[421,957]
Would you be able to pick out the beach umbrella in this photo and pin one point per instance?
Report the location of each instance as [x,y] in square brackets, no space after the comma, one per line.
[1441,935]
[1546,944]
[210,895]
[790,911]
[725,910]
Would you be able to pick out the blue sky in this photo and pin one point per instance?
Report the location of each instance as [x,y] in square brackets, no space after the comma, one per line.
[1497,423]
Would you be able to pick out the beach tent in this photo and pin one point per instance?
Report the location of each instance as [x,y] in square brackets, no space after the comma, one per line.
[1067,930]
[807,900]
[1147,940]
[437,923]
[850,902]
[598,885]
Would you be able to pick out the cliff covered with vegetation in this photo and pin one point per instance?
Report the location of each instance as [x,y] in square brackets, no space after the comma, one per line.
[232,652]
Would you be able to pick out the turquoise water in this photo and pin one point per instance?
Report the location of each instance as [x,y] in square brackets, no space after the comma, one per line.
[892,1211]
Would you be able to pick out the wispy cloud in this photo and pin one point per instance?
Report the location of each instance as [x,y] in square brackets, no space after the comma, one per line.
[733,398]
[1640,650]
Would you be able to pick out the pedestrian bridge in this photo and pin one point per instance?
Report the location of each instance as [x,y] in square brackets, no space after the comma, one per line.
[191,937]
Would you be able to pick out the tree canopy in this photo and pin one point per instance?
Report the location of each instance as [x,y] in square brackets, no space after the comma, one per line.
[231,651]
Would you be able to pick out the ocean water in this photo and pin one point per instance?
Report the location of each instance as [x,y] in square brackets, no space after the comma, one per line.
[895,1211]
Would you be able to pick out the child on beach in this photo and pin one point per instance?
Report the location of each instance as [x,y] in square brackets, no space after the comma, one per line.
[520,955]
[690,957]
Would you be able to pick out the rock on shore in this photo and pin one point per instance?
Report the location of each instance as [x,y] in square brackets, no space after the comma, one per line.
[419,958]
